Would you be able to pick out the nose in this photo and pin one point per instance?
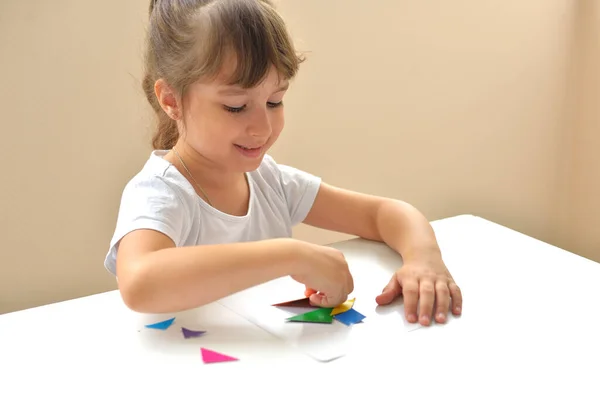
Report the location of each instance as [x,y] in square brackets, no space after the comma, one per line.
[260,125]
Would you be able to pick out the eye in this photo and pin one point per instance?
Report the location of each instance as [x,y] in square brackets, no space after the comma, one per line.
[274,105]
[235,109]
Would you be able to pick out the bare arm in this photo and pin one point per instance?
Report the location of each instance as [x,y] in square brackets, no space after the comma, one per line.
[394,222]
[424,278]
[155,276]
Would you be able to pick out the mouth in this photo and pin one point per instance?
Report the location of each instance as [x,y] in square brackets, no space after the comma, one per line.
[248,148]
[251,152]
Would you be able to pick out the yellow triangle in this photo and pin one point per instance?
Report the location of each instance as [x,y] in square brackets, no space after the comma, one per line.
[343,307]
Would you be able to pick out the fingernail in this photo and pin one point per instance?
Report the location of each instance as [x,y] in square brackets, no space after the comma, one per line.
[425,319]
[412,318]
[457,309]
[441,317]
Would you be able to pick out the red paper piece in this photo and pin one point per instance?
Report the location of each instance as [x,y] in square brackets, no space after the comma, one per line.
[305,303]
[210,356]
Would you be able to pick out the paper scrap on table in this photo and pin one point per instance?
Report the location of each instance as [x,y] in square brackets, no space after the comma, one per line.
[303,303]
[211,356]
[321,315]
[347,305]
[188,333]
[325,347]
[350,317]
[318,340]
[163,325]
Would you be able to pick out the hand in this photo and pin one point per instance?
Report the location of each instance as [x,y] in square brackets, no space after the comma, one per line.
[325,273]
[426,282]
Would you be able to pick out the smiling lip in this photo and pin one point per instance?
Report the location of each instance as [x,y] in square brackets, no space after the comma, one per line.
[251,152]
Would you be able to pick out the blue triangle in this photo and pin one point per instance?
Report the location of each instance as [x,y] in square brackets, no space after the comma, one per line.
[349,317]
[163,325]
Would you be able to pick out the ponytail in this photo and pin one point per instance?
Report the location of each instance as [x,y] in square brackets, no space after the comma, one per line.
[152,5]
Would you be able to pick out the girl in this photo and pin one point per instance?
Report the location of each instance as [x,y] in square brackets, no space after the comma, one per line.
[211,213]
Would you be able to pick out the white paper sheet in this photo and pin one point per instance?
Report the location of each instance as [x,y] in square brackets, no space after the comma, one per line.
[325,342]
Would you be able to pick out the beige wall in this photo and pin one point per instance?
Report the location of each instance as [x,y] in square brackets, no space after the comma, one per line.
[581,228]
[457,107]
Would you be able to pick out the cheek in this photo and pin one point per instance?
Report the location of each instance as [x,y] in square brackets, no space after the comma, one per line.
[215,127]
[277,122]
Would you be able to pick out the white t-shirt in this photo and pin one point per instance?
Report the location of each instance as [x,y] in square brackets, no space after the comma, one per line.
[159,197]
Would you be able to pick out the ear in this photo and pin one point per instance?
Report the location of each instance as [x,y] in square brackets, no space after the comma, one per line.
[167,99]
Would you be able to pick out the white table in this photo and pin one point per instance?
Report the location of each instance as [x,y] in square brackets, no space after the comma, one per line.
[529,330]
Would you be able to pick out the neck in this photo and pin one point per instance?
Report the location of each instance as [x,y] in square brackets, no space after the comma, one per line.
[209,174]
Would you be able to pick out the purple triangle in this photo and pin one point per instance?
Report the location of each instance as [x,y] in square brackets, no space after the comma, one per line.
[188,333]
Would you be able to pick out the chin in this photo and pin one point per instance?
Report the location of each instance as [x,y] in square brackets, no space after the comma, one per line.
[252,165]
[247,161]
[238,165]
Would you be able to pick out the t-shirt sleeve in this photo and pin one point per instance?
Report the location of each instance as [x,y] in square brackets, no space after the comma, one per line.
[150,203]
[300,189]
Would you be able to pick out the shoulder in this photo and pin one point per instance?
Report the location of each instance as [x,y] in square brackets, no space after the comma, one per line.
[156,195]
[283,174]
[295,188]
[157,180]
[155,198]
[268,169]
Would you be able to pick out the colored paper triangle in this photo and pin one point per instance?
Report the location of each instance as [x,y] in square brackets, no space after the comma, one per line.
[163,325]
[305,302]
[343,307]
[349,317]
[210,356]
[188,333]
[321,316]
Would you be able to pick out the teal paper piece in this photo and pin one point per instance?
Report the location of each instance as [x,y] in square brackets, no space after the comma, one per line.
[163,325]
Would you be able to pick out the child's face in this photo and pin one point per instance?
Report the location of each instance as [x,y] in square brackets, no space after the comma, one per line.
[234,127]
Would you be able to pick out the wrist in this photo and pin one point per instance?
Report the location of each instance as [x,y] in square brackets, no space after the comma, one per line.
[422,254]
[293,253]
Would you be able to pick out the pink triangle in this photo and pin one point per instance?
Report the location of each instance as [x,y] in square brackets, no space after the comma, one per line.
[209,356]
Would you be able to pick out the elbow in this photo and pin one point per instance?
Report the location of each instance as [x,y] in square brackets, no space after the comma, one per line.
[133,297]
[133,288]
[387,211]
[132,300]
[393,216]
[143,292]
[392,209]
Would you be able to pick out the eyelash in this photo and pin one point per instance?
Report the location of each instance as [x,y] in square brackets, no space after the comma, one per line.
[240,109]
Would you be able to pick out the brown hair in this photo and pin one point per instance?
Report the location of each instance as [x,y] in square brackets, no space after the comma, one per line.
[188,41]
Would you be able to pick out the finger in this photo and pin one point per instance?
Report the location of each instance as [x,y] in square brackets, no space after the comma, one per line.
[316,299]
[323,300]
[390,292]
[442,300]
[426,300]
[456,296]
[308,291]
[410,293]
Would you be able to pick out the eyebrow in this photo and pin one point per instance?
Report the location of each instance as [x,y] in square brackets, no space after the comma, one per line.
[236,91]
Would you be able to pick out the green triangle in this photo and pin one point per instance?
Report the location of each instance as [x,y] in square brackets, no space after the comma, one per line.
[321,316]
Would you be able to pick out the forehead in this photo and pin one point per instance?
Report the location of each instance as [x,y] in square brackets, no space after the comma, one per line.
[222,85]
[231,74]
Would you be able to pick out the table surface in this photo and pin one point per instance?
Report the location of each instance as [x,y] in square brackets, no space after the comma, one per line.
[527,329]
